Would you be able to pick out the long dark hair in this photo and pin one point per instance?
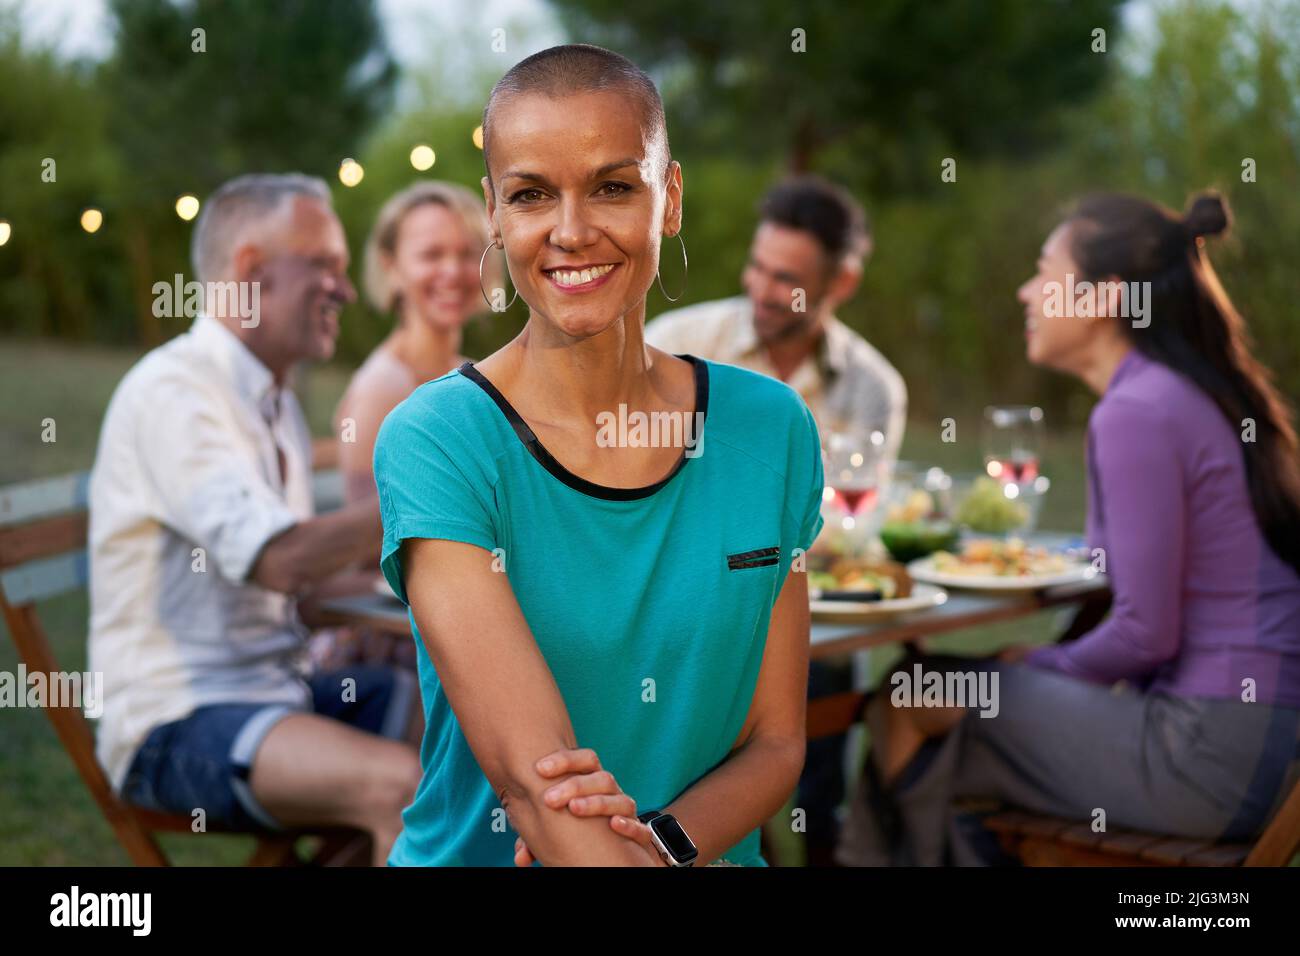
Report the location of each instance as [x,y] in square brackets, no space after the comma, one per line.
[1195,330]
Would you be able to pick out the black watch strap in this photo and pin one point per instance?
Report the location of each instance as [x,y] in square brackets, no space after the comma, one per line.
[649,815]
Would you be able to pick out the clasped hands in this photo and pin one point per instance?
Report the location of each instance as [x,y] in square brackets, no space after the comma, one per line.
[591,791]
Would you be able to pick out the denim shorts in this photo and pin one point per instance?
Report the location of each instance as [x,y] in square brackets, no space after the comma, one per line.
[204,760]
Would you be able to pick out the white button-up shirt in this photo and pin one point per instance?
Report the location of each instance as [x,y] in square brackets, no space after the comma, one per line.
[847,384]
[185,493]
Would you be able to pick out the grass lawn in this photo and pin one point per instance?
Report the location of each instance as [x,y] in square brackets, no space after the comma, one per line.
[46,815]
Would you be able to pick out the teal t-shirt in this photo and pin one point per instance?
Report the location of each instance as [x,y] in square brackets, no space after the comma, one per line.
[650,605]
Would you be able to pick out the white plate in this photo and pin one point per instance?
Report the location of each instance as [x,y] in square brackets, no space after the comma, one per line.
[849,612]
[923,570]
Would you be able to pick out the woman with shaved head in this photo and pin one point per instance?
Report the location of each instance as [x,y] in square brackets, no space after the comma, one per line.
[599,542]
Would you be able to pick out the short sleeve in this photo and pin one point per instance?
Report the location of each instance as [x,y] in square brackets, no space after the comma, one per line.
[810,480]
[429,487]
[206,481]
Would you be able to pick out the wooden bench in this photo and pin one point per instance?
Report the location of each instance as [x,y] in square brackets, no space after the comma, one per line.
[43,526]
[1051,841]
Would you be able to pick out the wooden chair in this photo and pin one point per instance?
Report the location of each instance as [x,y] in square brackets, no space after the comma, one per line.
[43,526]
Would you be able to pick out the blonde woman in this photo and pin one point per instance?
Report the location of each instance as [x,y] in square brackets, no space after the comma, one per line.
[421,264]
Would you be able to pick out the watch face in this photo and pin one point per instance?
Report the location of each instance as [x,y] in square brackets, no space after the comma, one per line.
[675,839]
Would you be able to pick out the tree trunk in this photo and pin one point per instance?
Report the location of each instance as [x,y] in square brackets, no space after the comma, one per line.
[804,145]
[148,330]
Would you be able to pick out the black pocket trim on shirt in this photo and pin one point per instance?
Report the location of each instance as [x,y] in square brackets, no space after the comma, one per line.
[761,558]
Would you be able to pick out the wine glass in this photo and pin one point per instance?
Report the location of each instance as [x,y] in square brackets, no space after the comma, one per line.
[854,469]
[1012,442]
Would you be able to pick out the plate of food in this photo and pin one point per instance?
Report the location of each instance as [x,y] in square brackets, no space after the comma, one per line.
[989,564]
[854,589]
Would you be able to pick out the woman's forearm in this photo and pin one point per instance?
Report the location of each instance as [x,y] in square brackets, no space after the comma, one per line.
[556,837]
[743,792]
[504,697]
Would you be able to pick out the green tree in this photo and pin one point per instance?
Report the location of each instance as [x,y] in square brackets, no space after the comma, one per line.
[895,80]
[1207,85]
[201,91]
[55,160]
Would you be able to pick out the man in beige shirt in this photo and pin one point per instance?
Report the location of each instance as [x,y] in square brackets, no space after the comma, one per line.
[806,259]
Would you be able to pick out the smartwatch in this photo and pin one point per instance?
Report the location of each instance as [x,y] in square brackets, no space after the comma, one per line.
[674,846]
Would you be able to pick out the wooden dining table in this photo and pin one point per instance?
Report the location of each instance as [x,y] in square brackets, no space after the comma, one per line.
[963,609]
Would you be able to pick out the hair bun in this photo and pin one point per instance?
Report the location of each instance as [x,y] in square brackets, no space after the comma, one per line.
[1207,215]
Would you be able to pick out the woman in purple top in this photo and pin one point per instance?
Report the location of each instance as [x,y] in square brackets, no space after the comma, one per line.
[1179,713]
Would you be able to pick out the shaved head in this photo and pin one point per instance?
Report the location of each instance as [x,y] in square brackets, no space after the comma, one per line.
[581,68]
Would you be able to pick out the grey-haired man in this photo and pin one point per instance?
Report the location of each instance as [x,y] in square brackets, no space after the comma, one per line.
[203,541]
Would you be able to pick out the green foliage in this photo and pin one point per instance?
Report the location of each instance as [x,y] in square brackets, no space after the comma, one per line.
[289,85]
[263,87]
[292,86]
[1226,79]
[897,79]
[1013,92]
[53,276]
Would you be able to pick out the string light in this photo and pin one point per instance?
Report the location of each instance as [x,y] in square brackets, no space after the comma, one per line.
[4,231]
[187,207]
[350,172]
[422,157]
[477,136]
[92,219]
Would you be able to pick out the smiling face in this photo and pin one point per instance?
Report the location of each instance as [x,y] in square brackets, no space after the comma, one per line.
[434,267]
[580,203]
[783,260]
[1055,341]
[300,260]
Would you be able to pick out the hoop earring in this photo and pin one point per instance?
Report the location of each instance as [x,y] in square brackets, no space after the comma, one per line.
[685,272]
[481,259]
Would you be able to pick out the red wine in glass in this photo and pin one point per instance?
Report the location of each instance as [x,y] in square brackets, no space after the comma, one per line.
[855,501]
[1017,468]
[1012,439]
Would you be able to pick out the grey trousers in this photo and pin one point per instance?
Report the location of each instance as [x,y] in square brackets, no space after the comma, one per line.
[1190,767]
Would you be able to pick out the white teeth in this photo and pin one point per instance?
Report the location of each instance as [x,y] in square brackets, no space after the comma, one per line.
[572,277]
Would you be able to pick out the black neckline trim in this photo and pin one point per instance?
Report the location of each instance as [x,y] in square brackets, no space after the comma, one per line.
[549,462]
